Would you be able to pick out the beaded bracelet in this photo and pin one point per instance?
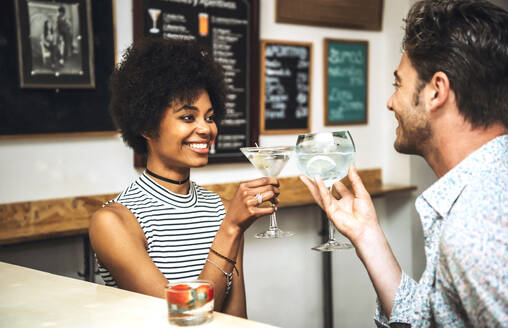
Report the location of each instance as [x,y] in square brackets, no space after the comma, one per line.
[229,277]
[225,258]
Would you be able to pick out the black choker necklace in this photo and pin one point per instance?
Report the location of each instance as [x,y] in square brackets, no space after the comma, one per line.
[166,179]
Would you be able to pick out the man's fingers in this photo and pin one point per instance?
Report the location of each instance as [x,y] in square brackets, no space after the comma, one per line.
[324,192]
[342,189]
[312,189]
[357,183]
[339,218]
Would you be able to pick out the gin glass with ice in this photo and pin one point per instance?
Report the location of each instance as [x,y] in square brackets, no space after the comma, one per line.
[328,155]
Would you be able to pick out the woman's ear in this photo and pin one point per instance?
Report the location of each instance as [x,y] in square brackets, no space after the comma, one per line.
[439,91]
[148,141]
[145,135]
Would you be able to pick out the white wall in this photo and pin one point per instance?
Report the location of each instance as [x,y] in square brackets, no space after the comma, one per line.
[70,166]
[283,277]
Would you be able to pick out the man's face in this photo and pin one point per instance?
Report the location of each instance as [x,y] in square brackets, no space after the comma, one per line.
[414,129]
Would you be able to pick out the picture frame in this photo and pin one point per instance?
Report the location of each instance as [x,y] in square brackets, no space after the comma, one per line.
[57,112]
[55,44]
[346,67]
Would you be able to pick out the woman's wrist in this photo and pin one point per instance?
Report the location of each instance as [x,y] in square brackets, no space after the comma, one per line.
[226,244]
[231,231]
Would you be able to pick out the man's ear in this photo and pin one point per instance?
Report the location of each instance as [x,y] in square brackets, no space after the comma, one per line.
[439,91]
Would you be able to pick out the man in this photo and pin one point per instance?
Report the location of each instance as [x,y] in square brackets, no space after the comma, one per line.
[64,29]
[451,102]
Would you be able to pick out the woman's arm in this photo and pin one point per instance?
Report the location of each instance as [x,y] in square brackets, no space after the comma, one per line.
[242,210]
[120,246]
[227,243]
[235,304]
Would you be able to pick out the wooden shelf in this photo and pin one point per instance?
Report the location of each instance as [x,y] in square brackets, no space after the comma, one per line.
[45,219]
[294,193]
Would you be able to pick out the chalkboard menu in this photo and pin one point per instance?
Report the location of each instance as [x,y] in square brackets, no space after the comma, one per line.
[285,87]
[229,29]
[345,74]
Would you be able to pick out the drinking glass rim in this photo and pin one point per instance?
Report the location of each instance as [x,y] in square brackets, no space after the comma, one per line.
[324,153]
[324,132]
[306,135]
[170,285]
[286,148]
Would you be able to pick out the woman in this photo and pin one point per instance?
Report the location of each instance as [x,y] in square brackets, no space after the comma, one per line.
[165,95]
[48,44]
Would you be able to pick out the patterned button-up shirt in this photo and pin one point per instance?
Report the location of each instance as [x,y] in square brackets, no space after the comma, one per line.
[465,224]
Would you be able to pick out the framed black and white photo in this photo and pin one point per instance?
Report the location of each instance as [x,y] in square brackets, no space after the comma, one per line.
[55,44]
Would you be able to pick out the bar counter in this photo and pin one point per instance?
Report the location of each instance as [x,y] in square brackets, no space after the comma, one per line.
[31,298]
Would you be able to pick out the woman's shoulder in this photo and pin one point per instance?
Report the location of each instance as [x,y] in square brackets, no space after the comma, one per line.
[110,214]
[114,219]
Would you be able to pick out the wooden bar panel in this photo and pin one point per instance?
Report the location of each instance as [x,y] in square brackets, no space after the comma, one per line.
[36,220]
[29,221]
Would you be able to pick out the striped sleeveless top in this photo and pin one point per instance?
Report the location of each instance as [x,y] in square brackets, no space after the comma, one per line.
[179,229]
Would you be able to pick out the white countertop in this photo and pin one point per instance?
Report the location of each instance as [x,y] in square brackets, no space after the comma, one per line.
[31,298]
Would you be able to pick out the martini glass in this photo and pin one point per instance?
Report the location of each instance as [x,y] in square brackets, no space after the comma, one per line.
[154,14]
[328,155]
[270,161]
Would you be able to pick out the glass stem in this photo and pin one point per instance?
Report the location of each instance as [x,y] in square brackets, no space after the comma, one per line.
[331,228]
[331,231]
[273,222]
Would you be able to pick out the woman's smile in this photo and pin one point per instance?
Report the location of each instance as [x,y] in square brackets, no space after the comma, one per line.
[198,147]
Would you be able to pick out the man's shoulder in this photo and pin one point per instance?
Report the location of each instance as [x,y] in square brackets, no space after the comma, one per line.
[485,195]
[490,178]
[486,174]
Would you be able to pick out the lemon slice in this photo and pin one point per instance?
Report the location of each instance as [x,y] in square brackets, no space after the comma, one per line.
[319,165]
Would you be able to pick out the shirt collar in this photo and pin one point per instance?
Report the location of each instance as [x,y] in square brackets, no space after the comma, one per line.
[443,193]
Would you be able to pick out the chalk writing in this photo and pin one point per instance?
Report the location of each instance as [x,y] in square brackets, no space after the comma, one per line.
[346,77]
[286,86]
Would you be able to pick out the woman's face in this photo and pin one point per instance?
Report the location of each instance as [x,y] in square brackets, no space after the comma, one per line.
[185,135]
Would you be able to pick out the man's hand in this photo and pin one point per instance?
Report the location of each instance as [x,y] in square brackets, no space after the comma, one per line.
[353,213]
[355,217]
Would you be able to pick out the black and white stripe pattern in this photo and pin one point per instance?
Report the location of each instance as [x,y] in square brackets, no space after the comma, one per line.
[179,229]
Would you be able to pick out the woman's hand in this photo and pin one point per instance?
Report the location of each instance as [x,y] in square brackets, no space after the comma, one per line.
[352,214]
[245,207]
[242,210]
